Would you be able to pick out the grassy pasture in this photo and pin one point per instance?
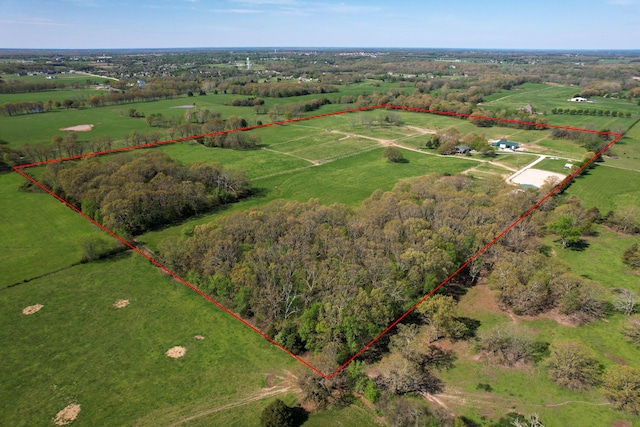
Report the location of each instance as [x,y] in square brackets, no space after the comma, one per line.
[559,147]
[553,165]
[607,247]
[79,348]
[256,163]
[37,129]
[607,188]
[38,234]
[545,97]
[112,362]
[627,150]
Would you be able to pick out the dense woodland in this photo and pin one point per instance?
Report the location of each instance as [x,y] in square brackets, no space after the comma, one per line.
[333,275]
[131,194]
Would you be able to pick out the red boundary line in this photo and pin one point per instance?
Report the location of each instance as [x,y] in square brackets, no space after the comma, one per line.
[19,170]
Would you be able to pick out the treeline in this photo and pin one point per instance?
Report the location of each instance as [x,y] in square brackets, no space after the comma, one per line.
[589,112]
[17,86]
[133,193]
[24,107]
[134,95]
[276,89]
[317,277]
[591,141]
[233,140]
[246,102]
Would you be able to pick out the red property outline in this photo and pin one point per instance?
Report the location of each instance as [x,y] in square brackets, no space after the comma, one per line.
[19,169]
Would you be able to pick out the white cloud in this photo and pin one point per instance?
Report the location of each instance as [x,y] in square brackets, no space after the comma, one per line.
[268,2]
[237,11]
[30,20]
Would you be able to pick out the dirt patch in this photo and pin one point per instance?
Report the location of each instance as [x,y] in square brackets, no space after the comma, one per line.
[536,177]
[619,360]
[176,352]
[67,415]
[270,380]
[559,318]
[199,337]
[78,128]
[483,299]
[32,309]
[621,423]
[121,303]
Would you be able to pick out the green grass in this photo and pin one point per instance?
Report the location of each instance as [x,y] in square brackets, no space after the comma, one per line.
[540,393]
[607,188]
[553,165]
[626,151]
[354,415]
[353,179]
[349,180]
[79,348]
[545,97]
[561,147]
[256,163]
[516,161]
[37,129]
[38,234]
[607,247]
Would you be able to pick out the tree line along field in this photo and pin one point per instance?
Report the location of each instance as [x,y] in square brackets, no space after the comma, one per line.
[336,160]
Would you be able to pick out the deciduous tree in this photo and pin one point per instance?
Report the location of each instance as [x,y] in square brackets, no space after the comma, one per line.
[572,366]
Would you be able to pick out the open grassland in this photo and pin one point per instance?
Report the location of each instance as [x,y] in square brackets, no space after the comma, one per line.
[545,97]
[607,247]
[80,348]
[37,129]
[626,152]
[38,234]
[256,163]
[558,147]
[607,188]
[553,165]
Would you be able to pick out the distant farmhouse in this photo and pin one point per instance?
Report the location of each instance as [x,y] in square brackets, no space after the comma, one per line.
[580,99]
[503,144]
[528,108]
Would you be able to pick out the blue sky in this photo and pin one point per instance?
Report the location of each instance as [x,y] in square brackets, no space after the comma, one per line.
[506,24]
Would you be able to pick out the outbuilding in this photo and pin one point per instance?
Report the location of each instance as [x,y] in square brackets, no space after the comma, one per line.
[463,149]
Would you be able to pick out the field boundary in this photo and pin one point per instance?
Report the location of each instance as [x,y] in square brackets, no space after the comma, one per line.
[21,170]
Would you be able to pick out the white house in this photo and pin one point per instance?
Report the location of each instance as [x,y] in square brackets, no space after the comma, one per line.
[580,99]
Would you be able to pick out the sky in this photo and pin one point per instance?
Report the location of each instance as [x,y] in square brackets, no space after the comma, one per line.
[474,24]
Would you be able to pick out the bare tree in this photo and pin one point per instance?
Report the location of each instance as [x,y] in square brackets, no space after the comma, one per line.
[625,300]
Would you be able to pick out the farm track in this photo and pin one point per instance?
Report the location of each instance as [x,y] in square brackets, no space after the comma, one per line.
[456,397]
[264,394]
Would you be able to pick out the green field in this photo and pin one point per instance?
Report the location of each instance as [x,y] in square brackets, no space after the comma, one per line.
[545,97]
[607,188]
[79,348]
[37,129]
[47,238]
